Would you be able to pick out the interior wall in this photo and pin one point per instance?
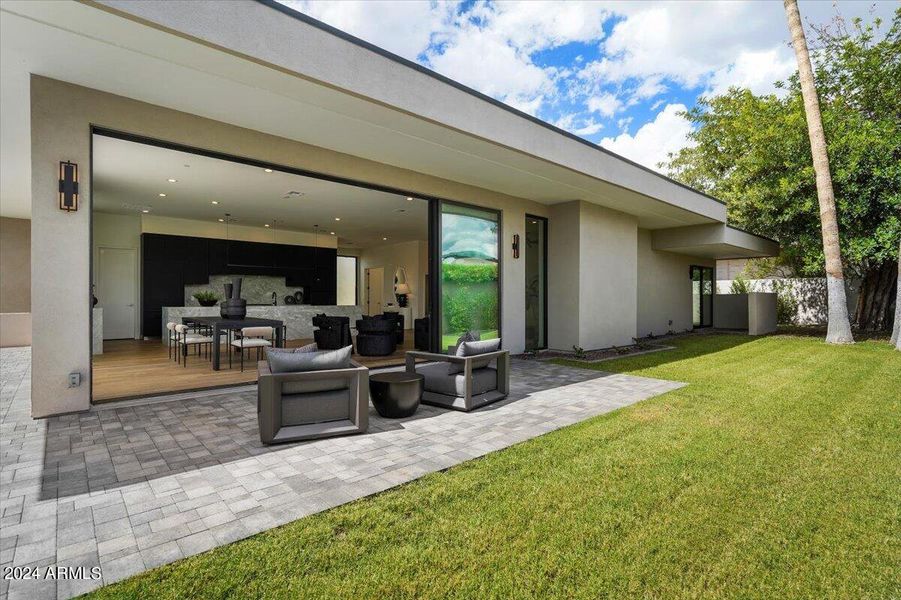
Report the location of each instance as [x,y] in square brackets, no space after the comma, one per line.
[15,261]
[391,257]
[61,119]
[118,231]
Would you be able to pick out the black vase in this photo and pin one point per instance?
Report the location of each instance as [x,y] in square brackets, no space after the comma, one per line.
[233,308]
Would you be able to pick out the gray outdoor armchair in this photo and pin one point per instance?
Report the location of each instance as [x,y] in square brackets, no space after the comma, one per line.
[474,386]
[309,405]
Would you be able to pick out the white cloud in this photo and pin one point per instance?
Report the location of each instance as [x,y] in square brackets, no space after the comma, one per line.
[654,46]
[487,63]
[490,47]
[604,104]
[404,28]
[654,140]
[742,43]
[584,127]
[757,71]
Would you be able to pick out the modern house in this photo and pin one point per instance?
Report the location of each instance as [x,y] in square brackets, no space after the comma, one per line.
[221,139]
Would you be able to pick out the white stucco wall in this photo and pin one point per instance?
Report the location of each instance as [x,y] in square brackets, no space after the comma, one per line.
[563,276]
[592,276]
[61,118]
[608,247]
[664,288]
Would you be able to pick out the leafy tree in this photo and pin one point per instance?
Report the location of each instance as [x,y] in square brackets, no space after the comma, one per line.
[754,153]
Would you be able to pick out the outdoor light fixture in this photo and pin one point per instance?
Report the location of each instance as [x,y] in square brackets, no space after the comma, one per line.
[515,245]
[68,186]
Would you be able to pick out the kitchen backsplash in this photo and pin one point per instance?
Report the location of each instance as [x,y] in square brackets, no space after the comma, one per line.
[256,289]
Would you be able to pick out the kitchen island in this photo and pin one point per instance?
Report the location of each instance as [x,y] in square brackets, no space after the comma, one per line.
[298,318]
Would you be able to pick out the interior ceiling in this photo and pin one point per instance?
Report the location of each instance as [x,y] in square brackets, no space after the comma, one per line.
[78,43]
[129,177]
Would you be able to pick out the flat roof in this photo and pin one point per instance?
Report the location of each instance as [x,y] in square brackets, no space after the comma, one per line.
[296,14]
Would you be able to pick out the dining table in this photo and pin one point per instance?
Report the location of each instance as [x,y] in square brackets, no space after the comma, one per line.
[220,324]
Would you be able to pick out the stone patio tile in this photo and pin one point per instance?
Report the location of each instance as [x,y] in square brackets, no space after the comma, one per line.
[139,486]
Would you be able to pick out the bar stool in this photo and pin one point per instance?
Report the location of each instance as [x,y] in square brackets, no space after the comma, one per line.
[253,337]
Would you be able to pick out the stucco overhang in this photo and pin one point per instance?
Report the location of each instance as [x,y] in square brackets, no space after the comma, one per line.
[716,240]
[263,67]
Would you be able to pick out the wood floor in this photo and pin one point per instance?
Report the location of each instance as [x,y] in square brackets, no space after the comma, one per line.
[138,368]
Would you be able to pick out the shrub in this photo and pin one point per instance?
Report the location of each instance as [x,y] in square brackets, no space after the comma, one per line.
[786,303]
[739,285]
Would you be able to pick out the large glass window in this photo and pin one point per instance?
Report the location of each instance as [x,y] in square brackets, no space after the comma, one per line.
[347,280]
[536,283]
[702,296]
[470,288]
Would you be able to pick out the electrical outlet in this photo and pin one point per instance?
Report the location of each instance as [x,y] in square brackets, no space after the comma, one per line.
[74,379]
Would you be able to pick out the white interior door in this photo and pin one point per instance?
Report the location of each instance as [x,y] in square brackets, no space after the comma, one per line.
[117,274]
[375,290]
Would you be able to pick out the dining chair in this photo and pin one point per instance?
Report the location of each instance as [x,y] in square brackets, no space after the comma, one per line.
[252,337]
[172,335]
[185,339]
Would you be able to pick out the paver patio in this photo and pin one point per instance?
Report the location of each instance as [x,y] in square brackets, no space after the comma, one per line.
[136,486]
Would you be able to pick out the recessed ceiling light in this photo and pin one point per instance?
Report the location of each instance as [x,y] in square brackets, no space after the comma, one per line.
[384,239]
[266,225]
[222,220]
[214,202]
[162,195]
[337,218]
[409,199]
[173,180]
[331,233]
[145,211]
[268,170]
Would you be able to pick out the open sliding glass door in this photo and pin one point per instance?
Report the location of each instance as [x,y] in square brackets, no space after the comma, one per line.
[701,296]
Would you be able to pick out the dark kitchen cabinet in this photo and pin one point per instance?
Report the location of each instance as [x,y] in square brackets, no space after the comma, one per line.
[171,261]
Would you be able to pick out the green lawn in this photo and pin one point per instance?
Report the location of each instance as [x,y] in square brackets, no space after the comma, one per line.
[776,473]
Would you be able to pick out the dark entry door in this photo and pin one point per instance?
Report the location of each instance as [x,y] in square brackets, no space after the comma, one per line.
[536,282]
[702,296]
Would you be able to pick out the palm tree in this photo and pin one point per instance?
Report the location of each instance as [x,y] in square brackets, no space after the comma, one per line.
[896,330]
[839,326]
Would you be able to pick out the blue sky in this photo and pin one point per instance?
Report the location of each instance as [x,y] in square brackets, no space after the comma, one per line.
[614,73]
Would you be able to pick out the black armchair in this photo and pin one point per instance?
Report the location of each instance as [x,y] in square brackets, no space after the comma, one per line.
[333,332]
[376,336]
[398,320]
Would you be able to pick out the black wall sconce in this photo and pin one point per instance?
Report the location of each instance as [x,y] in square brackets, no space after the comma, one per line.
[68,186]
[515,245]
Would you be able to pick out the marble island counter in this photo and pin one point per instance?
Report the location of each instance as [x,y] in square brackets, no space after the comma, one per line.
[298,317]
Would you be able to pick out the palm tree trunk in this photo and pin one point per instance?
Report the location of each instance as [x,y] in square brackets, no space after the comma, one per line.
[839,326]
[896,329]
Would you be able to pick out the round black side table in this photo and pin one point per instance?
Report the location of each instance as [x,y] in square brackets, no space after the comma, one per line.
[396,394]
